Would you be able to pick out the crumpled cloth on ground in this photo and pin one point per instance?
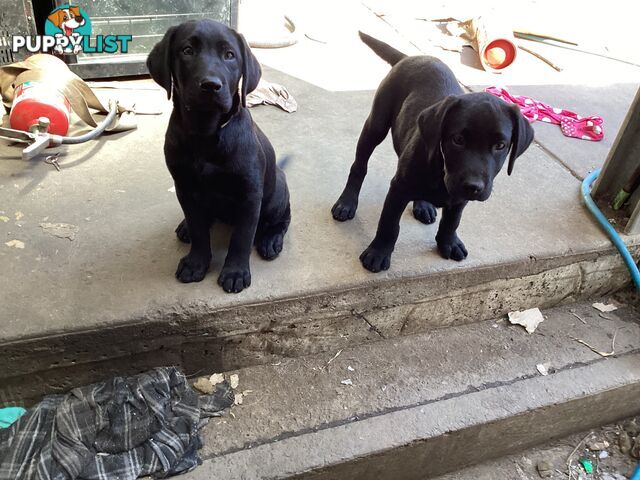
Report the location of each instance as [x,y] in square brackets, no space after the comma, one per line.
[120,429]
[268,93]
[571,124]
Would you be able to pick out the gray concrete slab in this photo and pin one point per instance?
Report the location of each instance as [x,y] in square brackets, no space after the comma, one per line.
[416,404]
[112,287]
[121,262]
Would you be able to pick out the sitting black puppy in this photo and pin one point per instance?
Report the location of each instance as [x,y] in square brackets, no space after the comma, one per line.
[450,146]
[222,165]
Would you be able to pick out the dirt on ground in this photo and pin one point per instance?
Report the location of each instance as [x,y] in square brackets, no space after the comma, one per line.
[611,452]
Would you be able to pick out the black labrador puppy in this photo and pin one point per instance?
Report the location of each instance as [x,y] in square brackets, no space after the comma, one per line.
[222,165]
[450,146]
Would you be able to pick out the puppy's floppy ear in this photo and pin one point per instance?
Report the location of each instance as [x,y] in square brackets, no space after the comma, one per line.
[431,122]
[56,18]
[521,137]
[159,62]
[75,11]
[251,71]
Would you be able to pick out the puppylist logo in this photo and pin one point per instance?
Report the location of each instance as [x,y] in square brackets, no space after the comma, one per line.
[68,30]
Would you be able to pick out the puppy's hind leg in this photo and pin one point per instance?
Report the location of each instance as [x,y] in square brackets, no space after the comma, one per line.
[182,232]
[374,131]
[274,221]
[270,238]
[424,212]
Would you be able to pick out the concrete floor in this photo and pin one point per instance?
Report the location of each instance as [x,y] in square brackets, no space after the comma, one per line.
[117,192]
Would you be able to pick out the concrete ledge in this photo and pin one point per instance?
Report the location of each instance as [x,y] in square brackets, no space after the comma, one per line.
[200,338]
[426,404]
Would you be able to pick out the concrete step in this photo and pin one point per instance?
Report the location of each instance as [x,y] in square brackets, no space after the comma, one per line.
[106,303]
[421,405]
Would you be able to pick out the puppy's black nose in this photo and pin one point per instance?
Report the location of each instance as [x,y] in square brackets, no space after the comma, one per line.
[473,187]
[211,84]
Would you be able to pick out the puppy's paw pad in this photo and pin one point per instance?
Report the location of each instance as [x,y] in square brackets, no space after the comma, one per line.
[182,232]
[425,213]
[269,247]
[344,209]
[375,260]
[192,269]
[234,280]
[454,249]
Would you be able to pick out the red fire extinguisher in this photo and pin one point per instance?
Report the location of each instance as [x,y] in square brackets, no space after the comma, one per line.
[34,100]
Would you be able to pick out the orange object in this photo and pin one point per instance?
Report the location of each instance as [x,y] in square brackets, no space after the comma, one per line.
[499,54]
[494,42]
[34,100]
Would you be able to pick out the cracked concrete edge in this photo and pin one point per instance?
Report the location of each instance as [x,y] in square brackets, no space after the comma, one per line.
[427,440]
[248,335]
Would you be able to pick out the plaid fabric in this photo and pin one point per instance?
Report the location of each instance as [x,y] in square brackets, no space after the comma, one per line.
[117,430]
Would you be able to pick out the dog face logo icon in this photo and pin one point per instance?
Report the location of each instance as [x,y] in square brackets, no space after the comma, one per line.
[69,21]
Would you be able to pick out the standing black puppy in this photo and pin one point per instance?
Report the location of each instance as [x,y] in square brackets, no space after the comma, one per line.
[450,146]
[222,164]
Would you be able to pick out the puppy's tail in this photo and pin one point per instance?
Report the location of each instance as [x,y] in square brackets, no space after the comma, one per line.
[283,162]
[384,51]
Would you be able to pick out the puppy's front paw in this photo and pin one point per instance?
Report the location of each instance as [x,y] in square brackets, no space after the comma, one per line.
[452,248]
[192,268]
[234,279]
[182,232]
[375,260]
[424,212]
[345,208]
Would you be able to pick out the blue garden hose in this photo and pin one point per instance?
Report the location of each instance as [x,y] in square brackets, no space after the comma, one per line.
[617,241]
[615,238]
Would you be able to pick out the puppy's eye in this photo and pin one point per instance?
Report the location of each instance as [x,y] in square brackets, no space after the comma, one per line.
[188,50]
[228,55]
[500,146]
[458,140]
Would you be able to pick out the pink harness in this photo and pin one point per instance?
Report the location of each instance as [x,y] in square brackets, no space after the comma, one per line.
[571,124]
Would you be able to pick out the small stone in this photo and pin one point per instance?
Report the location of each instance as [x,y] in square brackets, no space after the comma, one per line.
[635,450]
[543,368]
[234,381]
[346,382]
[603,454]
[203,385]
[596,445]
[624,441]
[60,230]
[632,427]
[216,378]
[604,308]
[15,244]
[544,468]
